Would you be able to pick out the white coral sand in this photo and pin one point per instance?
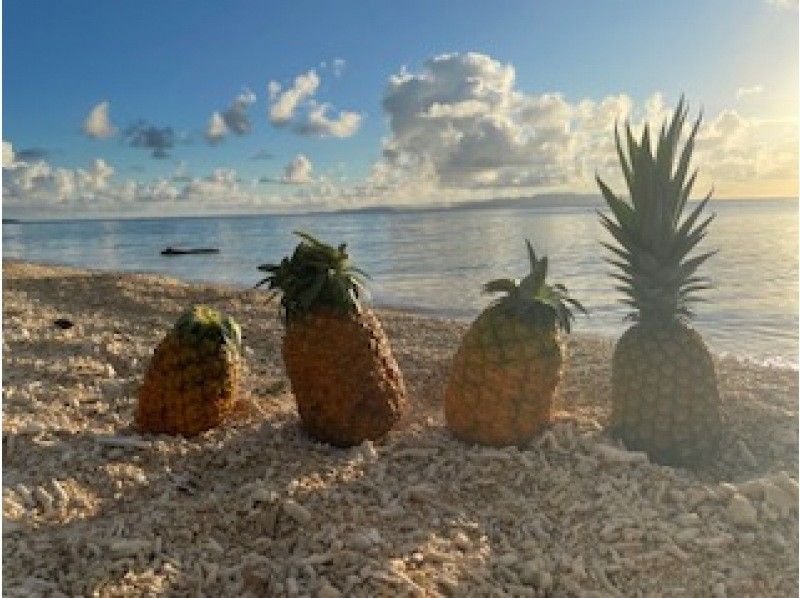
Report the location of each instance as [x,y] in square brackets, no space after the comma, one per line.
[91,508]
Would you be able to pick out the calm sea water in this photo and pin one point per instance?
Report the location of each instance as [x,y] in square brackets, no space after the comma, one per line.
[437,260]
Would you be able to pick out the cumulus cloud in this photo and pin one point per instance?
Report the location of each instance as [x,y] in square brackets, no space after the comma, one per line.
[8,154]
[216,128]
[158,191]
[38,181]
[284,103]
[159,140]
[234,119]
[39,184]
[461,124]
[459,129]
[298,171]
[296,106]
[236,116]
[221,183]
[749,91]
[319,124]
[96,177]
[98,124]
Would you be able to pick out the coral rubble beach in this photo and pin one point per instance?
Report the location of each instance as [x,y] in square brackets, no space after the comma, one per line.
[92,508]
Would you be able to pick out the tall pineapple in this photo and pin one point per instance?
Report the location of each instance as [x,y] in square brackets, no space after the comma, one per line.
[664,388]
[191,383]
[505,373]
[345,380]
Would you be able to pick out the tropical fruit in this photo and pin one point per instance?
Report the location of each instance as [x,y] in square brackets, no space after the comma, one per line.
[664,387]
[191,383]
[345,380]
[505,372]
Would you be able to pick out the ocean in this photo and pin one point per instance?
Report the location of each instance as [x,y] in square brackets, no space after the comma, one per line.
[435,261]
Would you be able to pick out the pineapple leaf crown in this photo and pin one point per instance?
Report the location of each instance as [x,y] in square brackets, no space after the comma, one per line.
[201,322]
[652,256]
[533,300]
[316,276]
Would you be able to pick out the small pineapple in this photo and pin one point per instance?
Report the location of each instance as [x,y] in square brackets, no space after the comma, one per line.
[504,375]
[191,383]
[345,380]
[664,387]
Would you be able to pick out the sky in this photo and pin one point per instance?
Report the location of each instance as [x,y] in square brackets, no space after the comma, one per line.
[142,107]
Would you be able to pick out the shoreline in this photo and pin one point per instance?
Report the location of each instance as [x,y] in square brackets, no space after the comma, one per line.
[256,506]
[776,362]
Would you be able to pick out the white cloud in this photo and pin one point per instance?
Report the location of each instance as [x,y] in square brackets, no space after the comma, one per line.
[749,91]
[216,128]
[298,171]
[233,119]
[65,183]
[221,183]
[98,125]
[459,129]
[45,189]
[158,191]
[8,154]
[319,124]
[96,178]
[27,182]
[296,105]
[283,106]
[460,125]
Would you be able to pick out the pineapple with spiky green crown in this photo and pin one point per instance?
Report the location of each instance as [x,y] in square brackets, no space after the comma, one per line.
[505,372]
[344,377]
[665,399]
[193,377]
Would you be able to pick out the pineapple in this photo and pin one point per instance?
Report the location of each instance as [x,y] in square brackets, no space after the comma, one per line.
[345,380]
[505,373]
[664,388]
[191,383]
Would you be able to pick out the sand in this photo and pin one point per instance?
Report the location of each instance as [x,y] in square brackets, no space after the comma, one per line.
[91,508]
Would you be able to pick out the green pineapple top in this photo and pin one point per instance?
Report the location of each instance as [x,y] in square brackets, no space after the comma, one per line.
[201,322]
[533,300]
[317,276]
[654,242]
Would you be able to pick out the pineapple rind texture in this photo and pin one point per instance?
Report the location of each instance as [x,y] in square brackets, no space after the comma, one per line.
[347,384]
[665,399]
[193,377]
[502,379]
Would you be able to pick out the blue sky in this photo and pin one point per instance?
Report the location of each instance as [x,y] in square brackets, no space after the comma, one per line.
[175,63]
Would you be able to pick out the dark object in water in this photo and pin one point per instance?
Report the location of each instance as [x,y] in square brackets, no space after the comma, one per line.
[63,323]
[188,250]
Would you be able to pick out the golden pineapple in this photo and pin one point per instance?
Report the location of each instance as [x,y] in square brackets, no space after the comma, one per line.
[664,387]
[191,383]
[505,372]
[345,380]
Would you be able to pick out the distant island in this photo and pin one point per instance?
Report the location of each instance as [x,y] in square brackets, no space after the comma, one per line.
[535,201]
[545,200]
